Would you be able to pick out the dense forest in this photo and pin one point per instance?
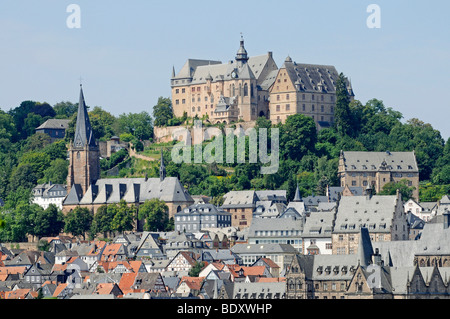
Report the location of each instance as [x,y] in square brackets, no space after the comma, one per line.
[307,157]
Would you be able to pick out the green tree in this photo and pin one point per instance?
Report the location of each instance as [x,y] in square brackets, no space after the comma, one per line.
[343,117]
[196,269]
[103,219]
[19,222]
[162,111]
[104,124]
[297,137]
[48,222]
[78,221]
[291,187]
[124,218]
[64,110]
[56,172]
[7,126]
[43,245]
[154,212]
[138,124]
[402,186]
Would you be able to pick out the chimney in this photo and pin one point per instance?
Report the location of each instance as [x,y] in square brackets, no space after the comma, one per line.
[376,258]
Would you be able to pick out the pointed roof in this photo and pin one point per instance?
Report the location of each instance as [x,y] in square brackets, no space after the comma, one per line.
[245,72]
[83,130]
[242,53]
[365,250]
[298,196]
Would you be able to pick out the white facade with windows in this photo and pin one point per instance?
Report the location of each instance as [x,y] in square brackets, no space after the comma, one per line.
[199,216]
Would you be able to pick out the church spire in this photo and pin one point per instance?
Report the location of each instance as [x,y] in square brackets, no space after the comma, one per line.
[297,197]
[83,130]
[162,168]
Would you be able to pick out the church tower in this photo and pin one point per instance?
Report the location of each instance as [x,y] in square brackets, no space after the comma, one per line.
[84,153]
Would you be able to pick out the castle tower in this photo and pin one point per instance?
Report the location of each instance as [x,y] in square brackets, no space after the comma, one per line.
[84,154]
[241,56]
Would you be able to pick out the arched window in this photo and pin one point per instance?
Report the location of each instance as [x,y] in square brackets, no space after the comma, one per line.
[291,285]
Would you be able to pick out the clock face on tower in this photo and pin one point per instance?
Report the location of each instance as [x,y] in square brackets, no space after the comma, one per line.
[234,74]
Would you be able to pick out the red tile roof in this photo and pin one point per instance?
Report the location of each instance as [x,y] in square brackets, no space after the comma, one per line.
[194,283]
[17,294]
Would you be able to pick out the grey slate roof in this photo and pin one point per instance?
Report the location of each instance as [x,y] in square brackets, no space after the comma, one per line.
[84,135]
[404,162]
[311,77]
[54,124]
[262,248]
[376,211]
[239,199]
[49,190]
[318,224]
[132,190]
[259,290]
[284,224]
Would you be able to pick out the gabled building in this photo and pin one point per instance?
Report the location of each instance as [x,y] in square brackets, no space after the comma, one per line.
[55,128]
[224,92]
[183,261]
[276,231]
[46,194]
[305,89]
[383,216]
[376,169]
[317,233]
[200,216]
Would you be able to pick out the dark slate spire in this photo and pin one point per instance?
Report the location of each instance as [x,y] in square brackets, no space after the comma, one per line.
[297,197]
[83,131]
[162,168]
[365,250]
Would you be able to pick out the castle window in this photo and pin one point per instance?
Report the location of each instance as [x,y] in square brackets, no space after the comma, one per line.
[304,107]
[313,108]
[245,89]
[287,96]
[288,107]
[183,90]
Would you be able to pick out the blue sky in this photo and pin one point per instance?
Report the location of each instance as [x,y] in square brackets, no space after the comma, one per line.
[125,50]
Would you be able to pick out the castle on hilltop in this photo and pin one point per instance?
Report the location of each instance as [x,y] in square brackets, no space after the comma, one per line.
[249,87]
